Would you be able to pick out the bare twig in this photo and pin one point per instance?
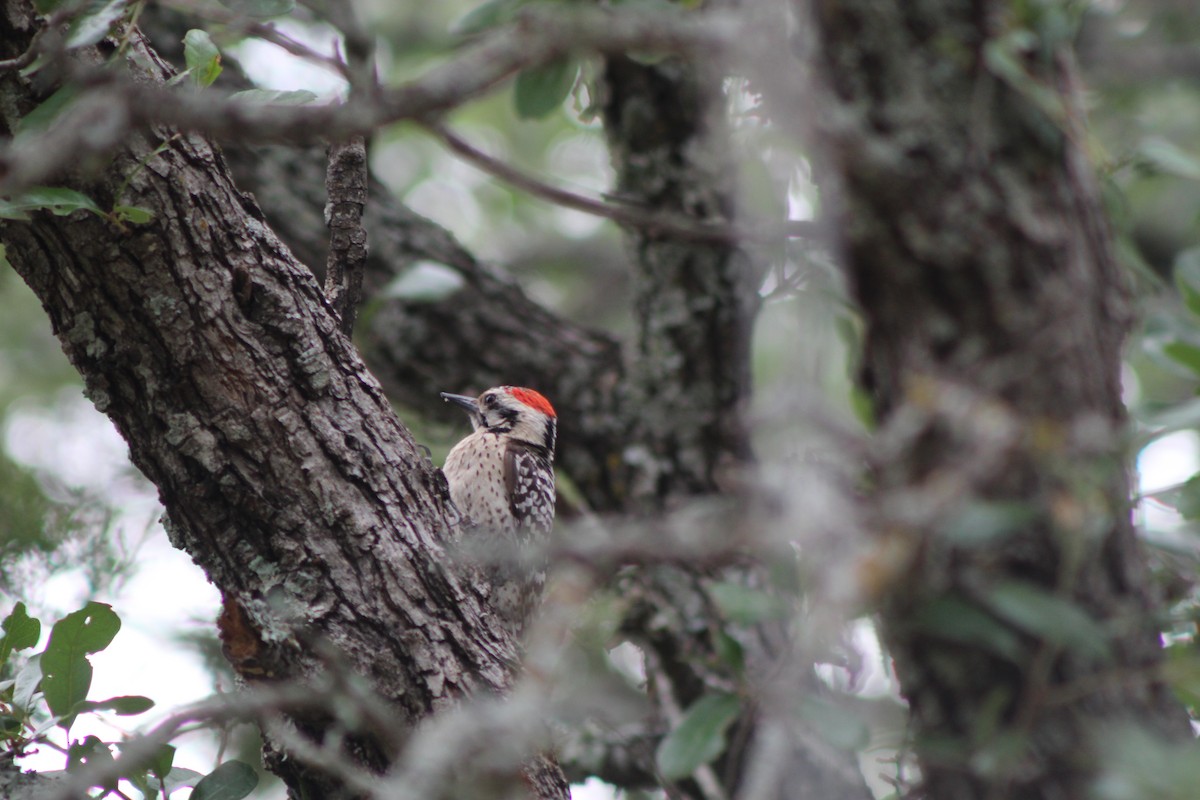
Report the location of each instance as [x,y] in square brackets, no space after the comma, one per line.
[537,37]
[652,222]
[138,752]
[213,12]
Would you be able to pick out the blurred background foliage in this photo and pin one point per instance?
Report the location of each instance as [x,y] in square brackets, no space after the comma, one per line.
[64,510]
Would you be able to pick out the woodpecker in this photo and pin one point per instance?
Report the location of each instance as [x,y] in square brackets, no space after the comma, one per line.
[502,478]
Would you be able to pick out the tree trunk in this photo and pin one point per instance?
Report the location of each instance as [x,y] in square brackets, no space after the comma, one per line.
[284,472]
[979,251]
[696,305]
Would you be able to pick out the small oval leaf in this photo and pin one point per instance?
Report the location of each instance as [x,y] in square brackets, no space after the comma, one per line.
[202,57]
[232,780]
[953,619]
[124,706]
[485,16]
[746,605]
[1053,618]
[700,736]
[540,91]
[27,681]
[133,214]
[56,200]
[262,8]
[93,25]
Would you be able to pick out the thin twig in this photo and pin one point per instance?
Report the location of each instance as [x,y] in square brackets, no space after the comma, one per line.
[642,218]
[137,753]
[266,31]
[119,104]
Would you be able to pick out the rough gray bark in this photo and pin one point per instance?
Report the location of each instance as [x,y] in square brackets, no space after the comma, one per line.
[694,303]
[346,188]
[284,471]
[695,306]
[979,251]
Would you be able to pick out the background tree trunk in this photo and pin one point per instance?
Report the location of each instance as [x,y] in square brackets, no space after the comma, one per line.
[980,254]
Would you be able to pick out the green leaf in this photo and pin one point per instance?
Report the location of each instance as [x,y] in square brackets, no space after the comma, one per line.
[980,523]
[295,97]
[123,706]
[90,752]
[27,682]
[836,724]
[180,776]
[665,6]
[1187,499]
[160,764]
[202,57]
[1187,278]
[1170,158]
[44,114]
[232,780]
[1183,353]
[49,6]
[540,91]
[953,619]
[66,672]
[730,652]
[20,631]
[700,736]
[88,630]
[1173,418]
[744,605]
[484,16]
[1050,617]
[57,201]
[132,214]
[95,23]
[261,8]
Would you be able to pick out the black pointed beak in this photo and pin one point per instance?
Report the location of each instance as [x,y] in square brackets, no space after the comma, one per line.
[470,404]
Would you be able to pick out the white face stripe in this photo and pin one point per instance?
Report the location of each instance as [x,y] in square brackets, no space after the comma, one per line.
[504,413]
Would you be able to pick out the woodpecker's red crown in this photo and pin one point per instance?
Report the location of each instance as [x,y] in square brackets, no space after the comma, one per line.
[531,398]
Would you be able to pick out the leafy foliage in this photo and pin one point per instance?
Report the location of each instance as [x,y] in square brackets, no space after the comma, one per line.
[50,689]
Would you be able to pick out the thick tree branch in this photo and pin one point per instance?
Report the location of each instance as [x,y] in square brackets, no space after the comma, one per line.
[284,471]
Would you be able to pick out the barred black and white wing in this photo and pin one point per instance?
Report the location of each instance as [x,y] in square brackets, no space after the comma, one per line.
[517,584]
[529,479]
